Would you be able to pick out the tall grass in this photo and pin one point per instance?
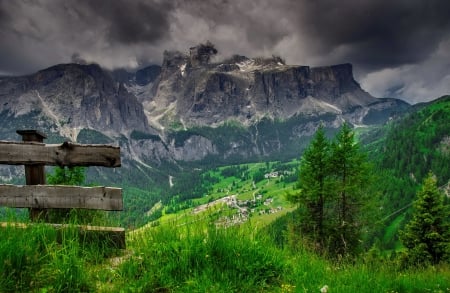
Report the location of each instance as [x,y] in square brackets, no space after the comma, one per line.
[193,258]
[38,258]
[202,258]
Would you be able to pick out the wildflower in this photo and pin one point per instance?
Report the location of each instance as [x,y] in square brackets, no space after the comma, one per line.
[324,289]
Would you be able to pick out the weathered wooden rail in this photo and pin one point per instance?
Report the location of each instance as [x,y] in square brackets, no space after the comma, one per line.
[65,154]
[38,197]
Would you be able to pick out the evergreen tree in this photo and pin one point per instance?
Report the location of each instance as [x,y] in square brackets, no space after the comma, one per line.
[67,176]
[333,181]
[427,237]
[314,188]
[350,172]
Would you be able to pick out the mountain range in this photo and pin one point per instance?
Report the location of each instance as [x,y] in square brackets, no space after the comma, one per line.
[171,112]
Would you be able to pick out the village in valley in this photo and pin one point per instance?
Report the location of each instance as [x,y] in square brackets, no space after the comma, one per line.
[245,208]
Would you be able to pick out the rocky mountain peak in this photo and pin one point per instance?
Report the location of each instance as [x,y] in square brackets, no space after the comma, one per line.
[153,110]
[193,91]
[73,97]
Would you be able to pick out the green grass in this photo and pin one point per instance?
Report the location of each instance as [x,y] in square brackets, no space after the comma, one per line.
[194,258]
[202,258]
[33,258]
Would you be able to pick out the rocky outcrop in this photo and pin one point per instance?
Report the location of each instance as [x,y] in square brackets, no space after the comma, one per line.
[75,96]
[195,148]
[193,92]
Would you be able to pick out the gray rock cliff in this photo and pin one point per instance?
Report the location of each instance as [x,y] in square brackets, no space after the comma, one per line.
[193,92]
[150,112]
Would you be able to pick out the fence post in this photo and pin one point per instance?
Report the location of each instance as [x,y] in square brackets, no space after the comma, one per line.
[34,174]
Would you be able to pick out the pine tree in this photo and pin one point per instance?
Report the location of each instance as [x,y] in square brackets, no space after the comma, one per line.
[427,237]
[333,179]
[350,173]
[314,188]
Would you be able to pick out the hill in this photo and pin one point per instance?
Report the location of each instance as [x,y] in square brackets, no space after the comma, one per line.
[404,151]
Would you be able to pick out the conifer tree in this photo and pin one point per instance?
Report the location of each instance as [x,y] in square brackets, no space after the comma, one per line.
[350,172]
[427,236]
[333,179]
[314,188]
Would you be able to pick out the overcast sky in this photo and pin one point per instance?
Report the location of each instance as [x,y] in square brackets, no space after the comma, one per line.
[398,48]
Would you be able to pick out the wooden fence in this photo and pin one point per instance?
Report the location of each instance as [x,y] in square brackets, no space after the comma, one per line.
[38,197]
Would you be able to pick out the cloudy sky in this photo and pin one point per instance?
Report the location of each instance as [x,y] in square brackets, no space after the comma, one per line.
[399,48]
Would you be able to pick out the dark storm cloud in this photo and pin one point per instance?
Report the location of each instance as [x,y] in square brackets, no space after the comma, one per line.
[133,21]
[39,33]
[381,38]
[374,34]
[398,48]
[261,21]
[378,33]
[4,17]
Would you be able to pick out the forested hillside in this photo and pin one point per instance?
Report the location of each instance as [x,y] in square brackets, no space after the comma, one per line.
[420,142]
[404,151]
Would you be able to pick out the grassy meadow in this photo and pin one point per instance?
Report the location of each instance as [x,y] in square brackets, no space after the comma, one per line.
[195,258]
[188,249]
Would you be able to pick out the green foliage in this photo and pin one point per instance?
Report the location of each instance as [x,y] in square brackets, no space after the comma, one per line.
[333,181]
[67,176]
[314,184]
[427,235]
[40,259]
[414,144]
[351,178]
[20,257]
[404,151]
[188,186]
[138,203]
[64,271]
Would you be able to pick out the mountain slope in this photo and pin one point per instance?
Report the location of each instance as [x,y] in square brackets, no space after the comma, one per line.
[419,142]
[74,97]
[405,150]
[188,93]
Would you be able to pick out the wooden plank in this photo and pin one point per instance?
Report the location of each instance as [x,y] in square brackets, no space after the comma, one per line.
[61,197]
[65,154]
[110,236]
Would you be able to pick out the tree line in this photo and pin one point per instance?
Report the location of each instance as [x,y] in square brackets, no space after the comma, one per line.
[336,194]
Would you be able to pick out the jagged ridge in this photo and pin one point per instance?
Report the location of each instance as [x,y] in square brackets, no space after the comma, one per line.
[188,91]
